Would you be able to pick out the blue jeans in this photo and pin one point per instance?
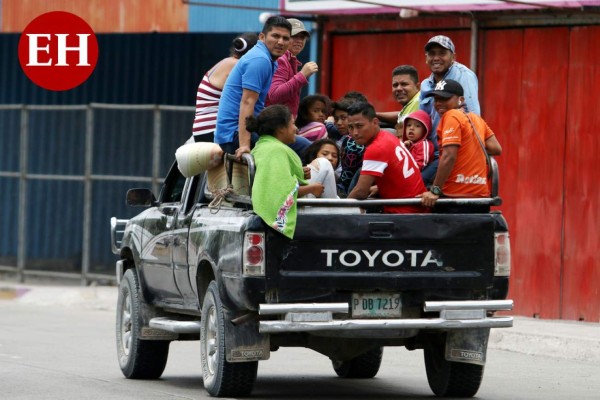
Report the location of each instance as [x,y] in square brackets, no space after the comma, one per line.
[428,173]
[231,147]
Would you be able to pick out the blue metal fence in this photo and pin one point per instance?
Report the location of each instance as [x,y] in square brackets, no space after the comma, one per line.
[64,171]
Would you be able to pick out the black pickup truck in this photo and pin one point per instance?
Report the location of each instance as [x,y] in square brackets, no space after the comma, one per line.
[346,286]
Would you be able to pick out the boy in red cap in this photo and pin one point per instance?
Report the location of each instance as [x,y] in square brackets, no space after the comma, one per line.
[417,126]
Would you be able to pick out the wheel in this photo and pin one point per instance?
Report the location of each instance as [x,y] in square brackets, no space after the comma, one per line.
[138,359]
[448,378]
[364,366]
[221,378]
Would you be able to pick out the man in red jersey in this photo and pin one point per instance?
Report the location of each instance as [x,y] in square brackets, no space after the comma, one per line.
[386,162]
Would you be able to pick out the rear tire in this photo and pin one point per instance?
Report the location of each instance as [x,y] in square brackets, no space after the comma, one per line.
[221,378]
[138,359]
[449,378]
[363,367]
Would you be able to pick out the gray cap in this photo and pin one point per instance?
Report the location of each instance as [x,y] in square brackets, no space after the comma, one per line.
[297,27]
[441,40]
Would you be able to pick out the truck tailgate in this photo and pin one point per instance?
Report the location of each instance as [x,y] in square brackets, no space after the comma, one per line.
[384,252]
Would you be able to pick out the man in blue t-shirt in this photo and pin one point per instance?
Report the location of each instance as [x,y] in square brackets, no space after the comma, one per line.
[440,56]
[247,86]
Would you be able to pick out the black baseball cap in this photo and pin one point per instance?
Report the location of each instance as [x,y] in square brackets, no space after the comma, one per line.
[446,88]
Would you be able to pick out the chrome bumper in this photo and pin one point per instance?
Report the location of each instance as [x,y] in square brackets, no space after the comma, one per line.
[319,317]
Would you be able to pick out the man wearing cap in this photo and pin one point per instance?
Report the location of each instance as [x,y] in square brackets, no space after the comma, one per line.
[287,81]
[440,56]
[464,138]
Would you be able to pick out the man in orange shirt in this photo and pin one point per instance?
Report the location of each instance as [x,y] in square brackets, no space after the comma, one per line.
[463,169]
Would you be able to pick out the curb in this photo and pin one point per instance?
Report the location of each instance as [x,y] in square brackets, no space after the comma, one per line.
[573,340]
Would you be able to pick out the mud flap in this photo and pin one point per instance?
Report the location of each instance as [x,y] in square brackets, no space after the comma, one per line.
[148,312]
[243,341]
[467,345]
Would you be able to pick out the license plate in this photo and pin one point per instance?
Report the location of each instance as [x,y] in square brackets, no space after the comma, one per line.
[376,305]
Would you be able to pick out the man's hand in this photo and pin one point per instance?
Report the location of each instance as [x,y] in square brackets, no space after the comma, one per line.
[240,151]
[316,189]
[428,199]
[309,68]
[373,191]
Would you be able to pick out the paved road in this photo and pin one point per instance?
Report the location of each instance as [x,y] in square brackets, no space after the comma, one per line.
[69,353]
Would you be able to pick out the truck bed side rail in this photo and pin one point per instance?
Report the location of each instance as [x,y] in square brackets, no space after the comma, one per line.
[248,160]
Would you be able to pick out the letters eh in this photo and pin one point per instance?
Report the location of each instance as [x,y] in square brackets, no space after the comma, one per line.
[62,48]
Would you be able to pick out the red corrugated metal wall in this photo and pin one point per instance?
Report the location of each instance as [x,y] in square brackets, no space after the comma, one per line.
[372,65]
[531,128]
[355,60]
[581,265]
[540,101]
[102,15]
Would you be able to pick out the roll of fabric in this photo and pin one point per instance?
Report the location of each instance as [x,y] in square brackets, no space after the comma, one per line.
[195,158]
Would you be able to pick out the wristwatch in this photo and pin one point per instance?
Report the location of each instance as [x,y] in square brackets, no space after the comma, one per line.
[436,190]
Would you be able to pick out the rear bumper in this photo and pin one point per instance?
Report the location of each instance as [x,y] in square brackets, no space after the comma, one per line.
[319,317]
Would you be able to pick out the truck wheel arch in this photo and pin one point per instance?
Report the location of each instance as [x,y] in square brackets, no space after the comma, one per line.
[131,257]
[204,276]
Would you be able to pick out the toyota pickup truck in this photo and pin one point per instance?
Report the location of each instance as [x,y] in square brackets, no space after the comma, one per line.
[346,286]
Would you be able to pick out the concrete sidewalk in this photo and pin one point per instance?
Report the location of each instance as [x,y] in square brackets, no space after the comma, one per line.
[53,295]
[552,338]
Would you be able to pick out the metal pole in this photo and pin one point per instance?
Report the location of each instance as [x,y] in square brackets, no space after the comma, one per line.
[87,195]
[22,196]
[156,151]
[474,43]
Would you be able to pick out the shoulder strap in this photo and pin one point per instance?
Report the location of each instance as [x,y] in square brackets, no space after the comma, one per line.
[214,69]
[487,156]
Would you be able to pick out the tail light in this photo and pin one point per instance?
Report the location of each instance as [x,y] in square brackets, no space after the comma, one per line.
[254,254]
[502,247]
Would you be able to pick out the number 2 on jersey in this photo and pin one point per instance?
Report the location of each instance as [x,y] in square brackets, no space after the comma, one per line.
[405,158]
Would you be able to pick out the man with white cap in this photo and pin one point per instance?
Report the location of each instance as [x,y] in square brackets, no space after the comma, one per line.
[440,56]
[287,81]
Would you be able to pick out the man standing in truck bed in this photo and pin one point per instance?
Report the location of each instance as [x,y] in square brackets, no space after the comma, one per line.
[386,162]
[247,86]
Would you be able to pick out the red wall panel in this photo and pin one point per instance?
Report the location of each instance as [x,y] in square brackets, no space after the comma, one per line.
[581,265]
[522,103]
[365,62]
[343,31]
[102,15]
[500,106]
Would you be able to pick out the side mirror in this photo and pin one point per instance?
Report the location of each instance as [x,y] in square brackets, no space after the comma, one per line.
[140,198]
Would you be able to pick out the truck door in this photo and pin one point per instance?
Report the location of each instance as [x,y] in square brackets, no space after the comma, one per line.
[157,268]
[181,243]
